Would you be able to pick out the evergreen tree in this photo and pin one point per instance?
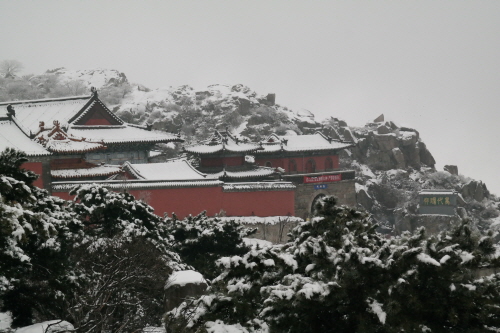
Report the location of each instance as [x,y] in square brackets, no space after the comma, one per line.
[201,240]
[337,274]
[37,233]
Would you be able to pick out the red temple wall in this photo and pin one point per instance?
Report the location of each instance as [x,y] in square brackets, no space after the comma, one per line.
[299,161]
[194,200]
[221,161]
[37,168]
[97,121]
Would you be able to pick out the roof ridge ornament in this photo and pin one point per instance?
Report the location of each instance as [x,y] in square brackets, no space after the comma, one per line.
[93,90]
[10,111]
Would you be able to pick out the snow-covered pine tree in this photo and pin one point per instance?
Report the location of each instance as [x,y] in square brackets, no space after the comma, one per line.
[37,233]
[338,275]
[201,240]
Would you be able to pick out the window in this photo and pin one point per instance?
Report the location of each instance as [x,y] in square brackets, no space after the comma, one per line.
[292,166]
[310,166]
[328,164]
[269,164]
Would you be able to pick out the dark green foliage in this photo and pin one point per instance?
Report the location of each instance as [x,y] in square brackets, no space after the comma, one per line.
[338,275]
[37,232]
[200,241]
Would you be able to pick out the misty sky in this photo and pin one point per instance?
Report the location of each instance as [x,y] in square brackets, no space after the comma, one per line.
[430,65]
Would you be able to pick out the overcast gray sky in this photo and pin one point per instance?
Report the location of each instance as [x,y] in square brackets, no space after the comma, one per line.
[430,65]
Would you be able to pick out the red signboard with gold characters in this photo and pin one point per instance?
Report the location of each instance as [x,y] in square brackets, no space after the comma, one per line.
[323,179]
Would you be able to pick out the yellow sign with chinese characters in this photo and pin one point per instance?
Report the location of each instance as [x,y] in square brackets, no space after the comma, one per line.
[436,201]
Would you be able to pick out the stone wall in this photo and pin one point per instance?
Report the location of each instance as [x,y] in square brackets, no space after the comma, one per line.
[305,194]
[274,233]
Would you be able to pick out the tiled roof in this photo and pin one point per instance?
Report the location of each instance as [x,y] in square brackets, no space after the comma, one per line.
[136,184]
[98,171]
[260,186]
[121,134]
[258,172]
[221,142]
[174,170]
[298,143]
[30,113]
[11,136]
[274,143]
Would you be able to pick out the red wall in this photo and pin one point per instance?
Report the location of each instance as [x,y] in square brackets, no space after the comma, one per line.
[300,161]
[221,161]
[264,203]
[194,200]
[97,122]
[186,201]
[37,168]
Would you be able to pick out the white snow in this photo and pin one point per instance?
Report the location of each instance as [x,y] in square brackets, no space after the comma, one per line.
[173,170]
[5,320]
[376,308]
[254,242]
[119,134]
[425,258]
[12,137]
[52,325]
[181,278]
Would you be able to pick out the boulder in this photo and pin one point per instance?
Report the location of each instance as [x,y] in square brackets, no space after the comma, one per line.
[453,169]
[475,190]
[426,156]
[412,155]
[348,136]
[182,285]
[379,119]
[408,138]
[399,157]
[385,142]
[379,160]
[479,194]
[391,125]
[363,198]
[382,129]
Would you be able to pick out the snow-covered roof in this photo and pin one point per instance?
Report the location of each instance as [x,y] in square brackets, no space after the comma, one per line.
[136,184]
[173,170]
[120,134]
[437,192]
[221,142]
[257,172]
[11,136]
[297,143]
[261,186]
[30,113]
[98,171]
[57,141]
[274,143]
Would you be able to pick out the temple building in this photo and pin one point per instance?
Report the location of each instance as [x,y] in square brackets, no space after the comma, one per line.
[77,140]
[310,162]
[74,138]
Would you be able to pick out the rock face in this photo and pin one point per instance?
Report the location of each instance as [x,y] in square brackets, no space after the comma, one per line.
[182,285]
[399,157]
[453,169]
[363,198]
[475,190]
[425,155]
